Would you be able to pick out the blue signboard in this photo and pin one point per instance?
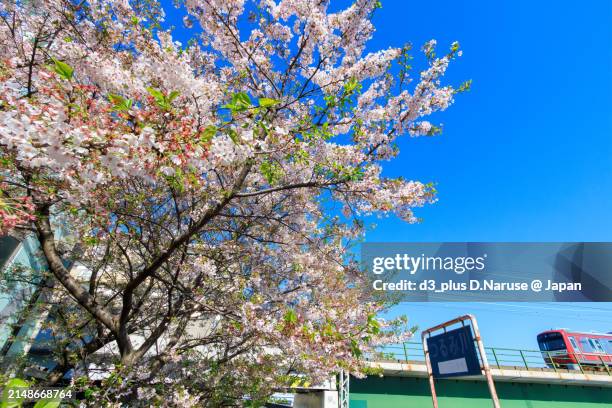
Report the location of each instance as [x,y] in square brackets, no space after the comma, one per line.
[453,354]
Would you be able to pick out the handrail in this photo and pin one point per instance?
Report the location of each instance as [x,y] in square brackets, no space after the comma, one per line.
[501,357]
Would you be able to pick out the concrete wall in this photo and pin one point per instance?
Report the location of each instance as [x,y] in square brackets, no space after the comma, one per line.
[411,392]
[318,399]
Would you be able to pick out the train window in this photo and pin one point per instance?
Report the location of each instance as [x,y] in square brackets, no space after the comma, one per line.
[551,342]
[596,345]
[586,346]
[609,346]
[574,344]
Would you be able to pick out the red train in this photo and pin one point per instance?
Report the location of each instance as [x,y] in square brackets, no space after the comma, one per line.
[572,349]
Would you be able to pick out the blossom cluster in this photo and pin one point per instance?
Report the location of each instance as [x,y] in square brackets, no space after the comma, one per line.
[15,212]
[197,179]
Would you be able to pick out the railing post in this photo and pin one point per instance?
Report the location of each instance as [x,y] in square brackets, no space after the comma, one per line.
[495,357]
[605,365]
[551,361]
[524,359]
[580,366]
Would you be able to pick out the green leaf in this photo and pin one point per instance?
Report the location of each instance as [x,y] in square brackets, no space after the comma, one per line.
[290,316]
[12,384]
[16,383]
[46,403]
[355,348]
[119,102]
[352,85]
[373,324]
[209,133]
[263,127]
[173,95]
[156,93]
[271,171]
[268,102]
[240,102]
[455,47]
[233,135]
[242,98]
[465,86]
[115,99]
[62,69]
[160,98]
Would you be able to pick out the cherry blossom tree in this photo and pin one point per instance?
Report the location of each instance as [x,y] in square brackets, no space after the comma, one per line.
[211,190]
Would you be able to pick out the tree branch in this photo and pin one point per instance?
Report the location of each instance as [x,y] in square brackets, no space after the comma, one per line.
[82,296]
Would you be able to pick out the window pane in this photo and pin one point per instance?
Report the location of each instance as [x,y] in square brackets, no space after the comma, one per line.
[551,342]
[598,346]
[586,346]
[573,341]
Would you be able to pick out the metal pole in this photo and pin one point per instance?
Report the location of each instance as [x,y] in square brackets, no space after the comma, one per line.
[343,389]
[432,384]
[485,362]
[340,390]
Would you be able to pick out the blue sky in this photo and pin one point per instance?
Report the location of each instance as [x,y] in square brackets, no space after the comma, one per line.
[526,155]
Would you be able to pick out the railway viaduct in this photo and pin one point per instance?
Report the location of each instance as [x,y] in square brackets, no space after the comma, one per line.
[404,384]
[522,380]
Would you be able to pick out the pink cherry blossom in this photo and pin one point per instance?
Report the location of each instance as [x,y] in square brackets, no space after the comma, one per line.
[213,188]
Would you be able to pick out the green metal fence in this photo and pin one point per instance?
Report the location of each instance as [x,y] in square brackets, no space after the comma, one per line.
[511,358]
